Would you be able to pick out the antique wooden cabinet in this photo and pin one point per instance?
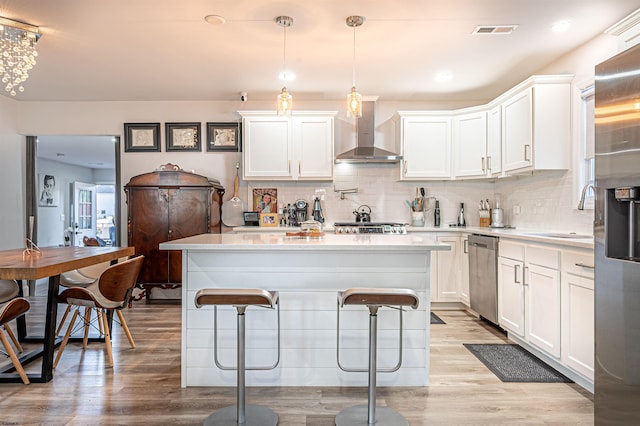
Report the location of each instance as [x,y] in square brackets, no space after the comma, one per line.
[167,204]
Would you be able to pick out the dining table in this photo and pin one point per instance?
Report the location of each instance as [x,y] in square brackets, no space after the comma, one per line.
[48,262]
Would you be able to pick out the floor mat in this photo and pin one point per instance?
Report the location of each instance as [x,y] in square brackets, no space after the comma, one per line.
[436,319]
[511,363]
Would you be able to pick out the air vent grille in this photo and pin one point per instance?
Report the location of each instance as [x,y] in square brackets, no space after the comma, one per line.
[495,29]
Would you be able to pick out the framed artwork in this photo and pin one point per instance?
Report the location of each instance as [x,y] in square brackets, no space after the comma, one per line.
[141,137]
[183,136]
[268,219]
[49,192]
[265,200]
[224,137]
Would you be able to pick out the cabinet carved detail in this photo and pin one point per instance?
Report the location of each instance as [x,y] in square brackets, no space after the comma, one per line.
[164,205]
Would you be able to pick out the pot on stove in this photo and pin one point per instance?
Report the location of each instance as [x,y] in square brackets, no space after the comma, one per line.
[363,213]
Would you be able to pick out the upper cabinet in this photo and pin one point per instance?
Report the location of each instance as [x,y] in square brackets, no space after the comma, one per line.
[536,125]
[470,145]
[425,144]
[299,147]
[494,141]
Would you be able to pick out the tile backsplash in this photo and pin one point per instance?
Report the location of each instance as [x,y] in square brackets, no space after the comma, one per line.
[544,201]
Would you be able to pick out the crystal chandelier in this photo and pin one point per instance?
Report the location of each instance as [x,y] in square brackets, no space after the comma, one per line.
[284,97]
[17,53]
[354,99]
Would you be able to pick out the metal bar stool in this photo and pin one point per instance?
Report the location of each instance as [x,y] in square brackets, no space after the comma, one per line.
[241,413]
[373,298]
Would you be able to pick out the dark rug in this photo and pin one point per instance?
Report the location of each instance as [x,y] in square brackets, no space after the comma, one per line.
[436,319]
[512,363]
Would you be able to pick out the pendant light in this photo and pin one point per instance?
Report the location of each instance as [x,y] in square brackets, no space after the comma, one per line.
[354,99]
[284,98]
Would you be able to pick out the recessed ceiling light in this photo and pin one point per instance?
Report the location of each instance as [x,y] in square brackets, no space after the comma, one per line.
[215,19]
[287,76]
[561,26]
[443,76]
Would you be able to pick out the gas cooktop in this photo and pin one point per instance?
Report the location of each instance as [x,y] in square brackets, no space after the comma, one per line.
[390,228]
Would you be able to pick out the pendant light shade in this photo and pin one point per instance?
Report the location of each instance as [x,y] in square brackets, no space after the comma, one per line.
[354,99]
[285,100]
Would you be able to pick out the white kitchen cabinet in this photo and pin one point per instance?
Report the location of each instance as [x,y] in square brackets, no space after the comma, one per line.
[299,147]
[529,294]
[470,145]
[536,125]
[578,311]
[425,139]
[510,295]
[464,279]
[494,142]
[446,270]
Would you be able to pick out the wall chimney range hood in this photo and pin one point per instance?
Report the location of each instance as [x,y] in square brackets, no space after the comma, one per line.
[365,151]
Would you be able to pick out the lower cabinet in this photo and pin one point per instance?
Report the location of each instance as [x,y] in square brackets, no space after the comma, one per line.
[529,294]
[449,272]
[578,312]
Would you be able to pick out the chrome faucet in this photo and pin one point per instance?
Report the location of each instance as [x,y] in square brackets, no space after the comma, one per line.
[584,194]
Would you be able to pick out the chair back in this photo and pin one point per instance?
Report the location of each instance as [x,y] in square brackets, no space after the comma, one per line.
[90,242]
[118,280]
[8,290]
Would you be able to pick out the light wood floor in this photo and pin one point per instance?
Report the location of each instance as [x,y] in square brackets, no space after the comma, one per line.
[144,387]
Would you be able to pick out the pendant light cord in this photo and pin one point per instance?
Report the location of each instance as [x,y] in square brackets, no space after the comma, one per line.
[284,57]
[354,56]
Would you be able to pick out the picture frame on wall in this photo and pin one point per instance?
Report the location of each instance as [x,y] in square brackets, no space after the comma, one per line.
[224,137]
[183,136]
[141,137]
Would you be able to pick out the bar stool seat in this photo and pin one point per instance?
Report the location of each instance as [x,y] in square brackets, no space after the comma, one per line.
[240,298]
[373,298]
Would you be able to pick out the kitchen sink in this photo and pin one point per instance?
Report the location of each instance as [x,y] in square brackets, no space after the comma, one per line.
[560,235]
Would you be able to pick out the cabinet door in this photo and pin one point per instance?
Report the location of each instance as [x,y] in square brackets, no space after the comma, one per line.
[511,295]
[426,147]
[313,147]
[578,324]
[267,148]
[448,274]
[464,271]
[494,142]
[542,308]
[148,227]
[188,215]
[470,143]
[517,135]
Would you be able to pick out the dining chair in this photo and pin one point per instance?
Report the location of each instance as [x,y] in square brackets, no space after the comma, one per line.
[9,311]
[8,290]
[110,292]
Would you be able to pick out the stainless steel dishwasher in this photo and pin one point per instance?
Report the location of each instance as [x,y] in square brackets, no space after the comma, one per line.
[483,276]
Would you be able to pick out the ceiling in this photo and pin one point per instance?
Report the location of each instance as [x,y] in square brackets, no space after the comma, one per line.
[146,50]
[94,152]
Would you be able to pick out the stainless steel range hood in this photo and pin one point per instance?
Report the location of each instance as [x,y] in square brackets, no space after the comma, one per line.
[365,151]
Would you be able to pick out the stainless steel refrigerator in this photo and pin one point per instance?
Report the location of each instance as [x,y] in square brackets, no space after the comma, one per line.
[617,247]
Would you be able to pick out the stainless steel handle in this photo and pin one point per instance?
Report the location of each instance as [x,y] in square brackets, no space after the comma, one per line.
[524,276]
[289,167]
[526,157]
[405,167]
[582,265]
[466,246]
[516,275]
[299,168]
[483,168]
[489,162]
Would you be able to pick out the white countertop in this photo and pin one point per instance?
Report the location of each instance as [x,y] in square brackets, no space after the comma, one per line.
[265,241]
[524,234]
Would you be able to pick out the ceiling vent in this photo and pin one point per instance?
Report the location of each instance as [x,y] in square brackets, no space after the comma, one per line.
[495,29]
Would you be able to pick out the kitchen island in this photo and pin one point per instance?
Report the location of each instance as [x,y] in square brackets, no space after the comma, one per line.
[308,273]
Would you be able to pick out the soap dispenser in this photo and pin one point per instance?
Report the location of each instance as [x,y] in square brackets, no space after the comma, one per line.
[461,221]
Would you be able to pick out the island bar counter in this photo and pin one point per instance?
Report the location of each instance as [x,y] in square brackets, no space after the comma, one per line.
[307,273]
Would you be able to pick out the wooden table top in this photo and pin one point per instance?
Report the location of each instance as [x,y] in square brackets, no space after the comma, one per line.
[55,260]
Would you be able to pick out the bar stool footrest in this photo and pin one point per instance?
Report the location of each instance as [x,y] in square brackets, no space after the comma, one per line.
[357,415]
[254,415]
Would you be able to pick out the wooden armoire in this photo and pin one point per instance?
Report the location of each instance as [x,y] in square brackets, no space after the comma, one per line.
[167,204]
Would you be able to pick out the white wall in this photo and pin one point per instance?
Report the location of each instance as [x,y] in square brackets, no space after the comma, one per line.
[52,221]
[12,152]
